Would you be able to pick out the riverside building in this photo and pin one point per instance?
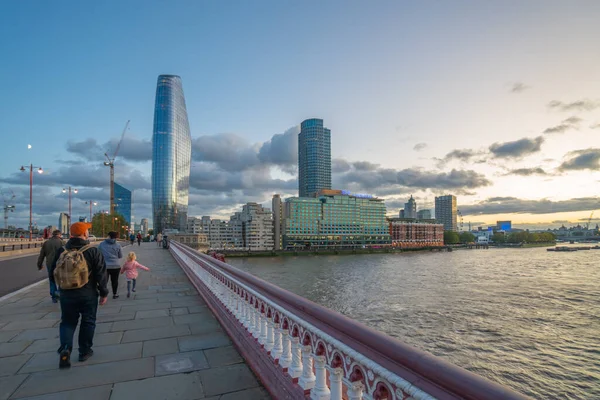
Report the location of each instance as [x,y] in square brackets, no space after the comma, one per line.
[415,233]
[334,219]
[314,157]
[446,212]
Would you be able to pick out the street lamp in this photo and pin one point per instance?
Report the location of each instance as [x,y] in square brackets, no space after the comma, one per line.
[104,212]
[91,203]
[69,216]
[39,170]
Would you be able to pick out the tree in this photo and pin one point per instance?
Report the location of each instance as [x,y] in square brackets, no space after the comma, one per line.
[451,237]
[466,237]
[150,231]
[103,223]
[498,238]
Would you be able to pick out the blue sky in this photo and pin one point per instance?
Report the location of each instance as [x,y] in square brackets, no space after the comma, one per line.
[385,76]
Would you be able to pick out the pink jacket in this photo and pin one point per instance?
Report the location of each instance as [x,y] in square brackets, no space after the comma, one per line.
[130,268]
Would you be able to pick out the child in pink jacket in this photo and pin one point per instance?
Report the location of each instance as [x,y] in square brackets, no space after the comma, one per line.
[130,269]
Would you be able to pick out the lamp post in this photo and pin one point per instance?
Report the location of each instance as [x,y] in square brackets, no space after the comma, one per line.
[91,203]
[40,170]
[69,217]
[104,212]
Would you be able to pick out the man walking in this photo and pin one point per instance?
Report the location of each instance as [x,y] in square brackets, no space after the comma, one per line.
[48,251]
[111,250]
[83,300]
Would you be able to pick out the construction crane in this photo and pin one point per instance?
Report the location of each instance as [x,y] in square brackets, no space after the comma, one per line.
[589,220]
[111,163]
[8,198]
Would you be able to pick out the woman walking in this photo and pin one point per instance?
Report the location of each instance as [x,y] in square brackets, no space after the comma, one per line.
[139,239]
[159,239]
[111,250]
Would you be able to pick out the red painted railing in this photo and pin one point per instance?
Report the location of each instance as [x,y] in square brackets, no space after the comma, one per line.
[298,348]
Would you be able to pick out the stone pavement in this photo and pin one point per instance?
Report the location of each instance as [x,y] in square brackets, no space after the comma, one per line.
[162,343]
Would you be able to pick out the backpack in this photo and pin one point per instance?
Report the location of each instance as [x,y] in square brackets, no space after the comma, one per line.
[71,270]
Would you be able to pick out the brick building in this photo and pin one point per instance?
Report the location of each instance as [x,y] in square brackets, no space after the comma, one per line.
[415,234]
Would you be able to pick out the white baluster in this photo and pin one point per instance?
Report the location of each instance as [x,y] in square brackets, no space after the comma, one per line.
[355,390]
[295,370]
[255,322]
[245,313]
[320,391]
[262,338]
[277,347]
[335,383]
[286,353]
[307,380]
[270,340]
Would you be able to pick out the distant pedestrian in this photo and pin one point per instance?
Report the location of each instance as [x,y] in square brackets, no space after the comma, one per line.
[111,250]
[130,269]
[80,272]
[139,239]
[159,239]
[132,238]
[48,251]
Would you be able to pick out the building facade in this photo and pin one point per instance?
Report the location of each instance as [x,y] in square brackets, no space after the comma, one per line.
[171,156]
[257,227]
[415,234]
[424,214]
[314,157]
[410,208]
[334,219]
[446,212]
[145,226]
[123,202]
[504,225]
[277,207]
[63,223]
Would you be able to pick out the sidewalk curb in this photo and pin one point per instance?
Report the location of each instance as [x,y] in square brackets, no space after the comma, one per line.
[16,292]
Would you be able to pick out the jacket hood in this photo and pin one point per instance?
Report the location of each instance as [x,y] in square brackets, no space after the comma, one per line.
[111,241]
[76,243]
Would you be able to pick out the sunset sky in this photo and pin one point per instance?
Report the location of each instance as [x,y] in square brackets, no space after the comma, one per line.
[497,102]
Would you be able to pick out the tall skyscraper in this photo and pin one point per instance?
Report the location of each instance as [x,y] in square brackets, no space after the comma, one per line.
[123,202]
[277,221]
[171,156]
[446,212]
[410,208]
[314,157]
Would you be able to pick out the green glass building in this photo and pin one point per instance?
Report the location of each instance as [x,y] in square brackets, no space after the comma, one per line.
[335,219]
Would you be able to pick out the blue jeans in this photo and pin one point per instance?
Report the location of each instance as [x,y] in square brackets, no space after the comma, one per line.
[53,288]
[71,307]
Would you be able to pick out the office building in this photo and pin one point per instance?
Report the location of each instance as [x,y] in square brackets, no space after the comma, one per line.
[171,156]
[424,214]
[145,226]
[415,233]
[63,223]
[314,158]
[123,203]
[277,206]
[503,225]
[410,208]
[401,213]
[334,219]
[446,212]
[257,227]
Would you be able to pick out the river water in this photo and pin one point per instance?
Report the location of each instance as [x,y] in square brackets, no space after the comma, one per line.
[526,318]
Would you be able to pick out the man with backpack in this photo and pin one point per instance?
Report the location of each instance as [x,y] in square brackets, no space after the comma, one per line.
[80,272]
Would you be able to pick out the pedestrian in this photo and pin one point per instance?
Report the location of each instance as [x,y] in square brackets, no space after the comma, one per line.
[132,238]
[48,251]
[139,239]
[159,239]
[111,250]
[79,291]
[130,269]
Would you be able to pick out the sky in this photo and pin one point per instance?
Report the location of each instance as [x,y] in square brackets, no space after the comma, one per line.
[497,102]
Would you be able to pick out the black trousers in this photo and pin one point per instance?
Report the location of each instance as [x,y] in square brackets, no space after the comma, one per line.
[72,306]
[113,275]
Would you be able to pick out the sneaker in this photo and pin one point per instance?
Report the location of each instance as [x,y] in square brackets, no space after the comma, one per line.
[65,359]
[115,296]
[55,300]
[84,357]
[128,295]
[133,290]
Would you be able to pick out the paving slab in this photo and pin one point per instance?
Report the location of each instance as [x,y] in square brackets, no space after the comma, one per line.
[155,333]
[7,336]
[249,394]
[179,386]
[210,325]
[9,384]
[201,342]
[90,375]
[232,378]
[141,324]
[145,307]
[13,348]
[169,364]
[221,356]
[24,317]
[92,393]
[198,309]
[160,346]
[114,317]
[35,334]
[36,324]
[10,365]
[152,314]
[190,319]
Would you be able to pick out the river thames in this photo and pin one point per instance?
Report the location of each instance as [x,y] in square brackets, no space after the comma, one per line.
[526,318]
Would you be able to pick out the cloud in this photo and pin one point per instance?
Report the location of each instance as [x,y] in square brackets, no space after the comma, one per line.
[579,105]
[281,149]
[567,124]
[519,87]
[464,155]
[513,205]
[518,148]
[527,171]
[131,149]
[419,146]
[595,126]
[339,165]
[581,160]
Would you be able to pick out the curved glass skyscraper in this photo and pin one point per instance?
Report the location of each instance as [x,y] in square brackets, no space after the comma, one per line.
[171,156]
[314,157]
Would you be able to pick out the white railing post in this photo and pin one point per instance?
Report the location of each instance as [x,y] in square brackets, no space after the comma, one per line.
[262,338]
[270,341]
[286,353]
[253,324]
[335,383]
[355,390]
[320,391]
[277,347]
[307,380]
[295,370]
[246,313]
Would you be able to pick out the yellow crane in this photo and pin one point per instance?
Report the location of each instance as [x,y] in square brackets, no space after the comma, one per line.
[111,163]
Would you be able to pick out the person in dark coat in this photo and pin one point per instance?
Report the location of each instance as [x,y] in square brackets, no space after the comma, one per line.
[83,301]
[48,251]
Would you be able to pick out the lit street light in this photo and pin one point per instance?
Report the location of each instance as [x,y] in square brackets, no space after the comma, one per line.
[39,170]
[91,203]
[69,215]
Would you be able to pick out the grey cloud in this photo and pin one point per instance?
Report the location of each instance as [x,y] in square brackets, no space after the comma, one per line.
[566,125]
[579,105]
[518,148]
[519,87]
[207,176]
[228,150]
[420,146]
[595,126]
[513,205]
[339,165]
[527,171]
[463,155]
[281,149]
[364,166]
[87,148]
[132,149]
[581,160]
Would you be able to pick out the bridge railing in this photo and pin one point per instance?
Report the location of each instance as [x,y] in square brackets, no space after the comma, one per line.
[299,348]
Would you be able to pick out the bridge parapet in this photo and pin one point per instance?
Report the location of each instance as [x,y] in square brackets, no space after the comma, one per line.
[300,349]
